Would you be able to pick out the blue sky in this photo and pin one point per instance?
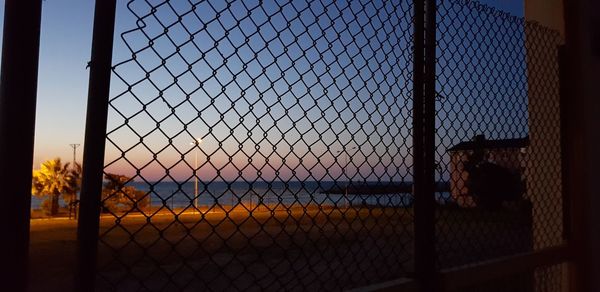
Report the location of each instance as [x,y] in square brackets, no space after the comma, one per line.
[64,52]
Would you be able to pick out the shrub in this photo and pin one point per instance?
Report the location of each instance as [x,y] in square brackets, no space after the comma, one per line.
[117,195]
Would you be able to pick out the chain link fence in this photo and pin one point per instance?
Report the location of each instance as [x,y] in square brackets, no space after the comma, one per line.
[549,279]
[267,145]
[498,121]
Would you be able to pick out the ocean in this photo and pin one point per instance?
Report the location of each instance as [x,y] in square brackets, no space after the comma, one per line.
[181,195]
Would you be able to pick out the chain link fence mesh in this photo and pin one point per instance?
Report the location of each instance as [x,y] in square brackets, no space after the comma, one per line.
[498,134]
[266,145]
[259,145]
[542,279]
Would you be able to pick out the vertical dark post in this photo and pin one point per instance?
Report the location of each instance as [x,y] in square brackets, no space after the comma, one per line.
[429,114]
[18,89]
[95,136]
[565,137]
[424,143]
[581,152]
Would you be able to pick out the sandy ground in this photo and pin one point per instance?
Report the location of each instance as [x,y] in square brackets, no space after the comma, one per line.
[285,249]
[273,249]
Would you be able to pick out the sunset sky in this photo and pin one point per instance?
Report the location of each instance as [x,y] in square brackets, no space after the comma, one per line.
[62,93]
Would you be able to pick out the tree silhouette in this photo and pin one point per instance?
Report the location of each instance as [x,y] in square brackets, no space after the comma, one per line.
[54,179]
[117,194]
[490,184]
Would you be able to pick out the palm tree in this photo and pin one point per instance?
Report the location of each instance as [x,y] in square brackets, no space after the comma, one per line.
[75,173]
[54,179]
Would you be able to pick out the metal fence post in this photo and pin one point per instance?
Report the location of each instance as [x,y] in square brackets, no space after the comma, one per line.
[95,135]
[18,89]
[429,114]
[565,137]
[424,143]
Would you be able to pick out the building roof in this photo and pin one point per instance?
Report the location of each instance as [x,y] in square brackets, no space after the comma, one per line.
[490,144]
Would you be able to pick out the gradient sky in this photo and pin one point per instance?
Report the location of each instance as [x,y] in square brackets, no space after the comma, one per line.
[64,53]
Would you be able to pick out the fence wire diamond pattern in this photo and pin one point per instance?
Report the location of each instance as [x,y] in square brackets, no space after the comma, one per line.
[242,138]
[267,145]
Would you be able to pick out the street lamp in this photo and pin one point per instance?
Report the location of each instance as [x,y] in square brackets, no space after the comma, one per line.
[344,170]
[196,143]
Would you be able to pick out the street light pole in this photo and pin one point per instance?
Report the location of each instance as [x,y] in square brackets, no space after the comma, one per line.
[196,143]
[344,171]
[196,181]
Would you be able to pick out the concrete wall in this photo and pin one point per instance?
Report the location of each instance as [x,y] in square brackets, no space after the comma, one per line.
[548,13]
[544,169]
[544,182]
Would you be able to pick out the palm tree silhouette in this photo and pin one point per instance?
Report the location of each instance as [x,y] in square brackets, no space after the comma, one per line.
[54,179]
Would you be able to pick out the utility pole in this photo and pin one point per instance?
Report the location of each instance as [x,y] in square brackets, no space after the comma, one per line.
[74,146]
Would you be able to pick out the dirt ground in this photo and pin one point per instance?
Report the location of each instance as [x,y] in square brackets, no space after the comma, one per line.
[282,249]
[273,249]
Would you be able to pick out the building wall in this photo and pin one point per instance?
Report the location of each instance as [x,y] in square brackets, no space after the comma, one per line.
[548,13]
[510,158]
[458,177]
[544,181]
[544,169]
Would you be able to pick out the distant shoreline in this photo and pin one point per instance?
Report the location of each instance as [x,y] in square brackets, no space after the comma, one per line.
[180,194]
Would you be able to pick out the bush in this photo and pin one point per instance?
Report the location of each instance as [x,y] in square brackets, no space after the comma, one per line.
[117,195]
[46,207]
[490,185]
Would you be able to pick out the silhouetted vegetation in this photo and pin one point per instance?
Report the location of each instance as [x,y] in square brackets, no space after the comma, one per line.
[491,184]
[54,180]
[117,195]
